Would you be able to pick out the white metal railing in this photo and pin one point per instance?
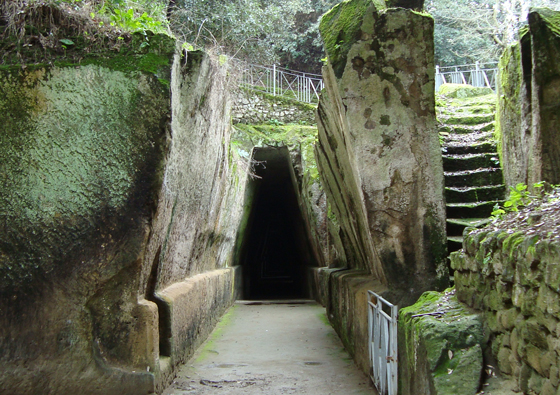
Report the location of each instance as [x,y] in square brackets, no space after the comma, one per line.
[382,329]
[478,74]
[277,81]
[306,87]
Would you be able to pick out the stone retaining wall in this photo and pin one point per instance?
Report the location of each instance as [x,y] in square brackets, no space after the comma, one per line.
[514,280]
[255,107]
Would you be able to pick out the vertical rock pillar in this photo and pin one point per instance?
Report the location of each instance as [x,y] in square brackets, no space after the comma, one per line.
[529,101]
[378,148]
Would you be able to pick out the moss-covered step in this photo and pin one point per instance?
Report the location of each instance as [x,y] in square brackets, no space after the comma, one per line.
[473,138]
[466,119]
[470,161]
[455,226]
[474,109]
[474,194]
[463,129]
[479,177]
[472,101]
[470,210]
[477,148]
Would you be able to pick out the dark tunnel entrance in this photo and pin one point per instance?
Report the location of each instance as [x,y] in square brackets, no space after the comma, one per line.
[275,252]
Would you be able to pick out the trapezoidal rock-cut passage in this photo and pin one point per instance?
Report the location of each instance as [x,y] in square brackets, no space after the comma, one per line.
[275,249]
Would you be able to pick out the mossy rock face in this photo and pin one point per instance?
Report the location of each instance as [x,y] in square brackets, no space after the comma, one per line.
[299,139]
[462,91]
[82,151]
[76,148]
[341,27]
[550,17]
[442,339]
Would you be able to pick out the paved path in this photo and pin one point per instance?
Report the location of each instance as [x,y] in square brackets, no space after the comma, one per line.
[272,349]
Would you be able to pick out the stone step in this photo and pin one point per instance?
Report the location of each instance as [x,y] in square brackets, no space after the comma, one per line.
[473,109]
[466,119]
[475,137]
[458,240]
[474,194]
[454,243]
[470,161]
[471,210]
[479,177]
[477,148]
[455,226]
[484,127]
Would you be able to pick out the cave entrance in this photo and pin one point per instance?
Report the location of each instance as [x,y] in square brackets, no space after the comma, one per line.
[275,250]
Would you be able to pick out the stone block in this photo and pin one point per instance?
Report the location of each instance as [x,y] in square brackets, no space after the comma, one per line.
[441,352]
[536,358]
[548,388]
[524,376]
[457,259]
[554,375]
[504,360]
[461,374]
[508,318]
[536,382]
[375,77]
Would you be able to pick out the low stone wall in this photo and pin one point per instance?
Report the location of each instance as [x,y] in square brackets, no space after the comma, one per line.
[513,278]
[195,306]
[344,295]
[253,107]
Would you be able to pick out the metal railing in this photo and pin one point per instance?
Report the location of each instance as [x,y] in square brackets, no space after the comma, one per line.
[478,74]
[306,87]
[278,81]
[382,329]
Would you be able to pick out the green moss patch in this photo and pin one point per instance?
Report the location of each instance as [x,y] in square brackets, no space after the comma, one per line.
[463,91]
[445,330]
[341,27]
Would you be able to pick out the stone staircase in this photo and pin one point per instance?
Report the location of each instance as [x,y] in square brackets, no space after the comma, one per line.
[473,177]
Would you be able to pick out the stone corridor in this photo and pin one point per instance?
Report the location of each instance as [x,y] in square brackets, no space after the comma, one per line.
[272,348]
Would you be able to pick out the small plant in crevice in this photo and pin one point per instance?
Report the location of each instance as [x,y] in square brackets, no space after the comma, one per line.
[519,196]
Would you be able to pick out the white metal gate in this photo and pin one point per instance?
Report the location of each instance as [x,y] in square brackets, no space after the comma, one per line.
[382,322]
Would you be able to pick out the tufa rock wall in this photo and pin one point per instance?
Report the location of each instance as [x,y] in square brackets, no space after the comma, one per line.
[379,151]
[380,164]
[529,97]
[509,273]
[118,219]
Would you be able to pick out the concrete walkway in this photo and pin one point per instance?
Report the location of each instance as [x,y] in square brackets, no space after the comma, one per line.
[272,349]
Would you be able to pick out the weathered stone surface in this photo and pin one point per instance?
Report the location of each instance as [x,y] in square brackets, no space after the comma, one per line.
[529,92]
[81,159]
[440,346]
[96,216]
[378,149]
[344,294]
[379,162]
